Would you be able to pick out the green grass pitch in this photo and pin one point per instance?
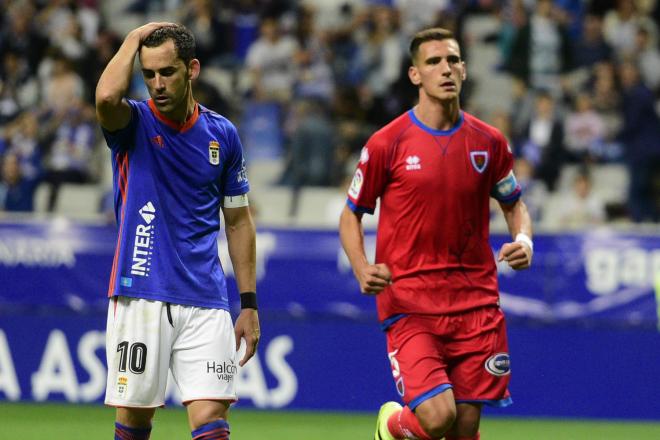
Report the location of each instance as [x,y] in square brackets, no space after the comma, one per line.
[90,422]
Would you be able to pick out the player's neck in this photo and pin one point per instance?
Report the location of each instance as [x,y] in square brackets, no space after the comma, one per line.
[439,115]
[183,114]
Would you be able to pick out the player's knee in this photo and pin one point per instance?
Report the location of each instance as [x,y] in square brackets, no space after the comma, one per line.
[436,420]
[135,417]
[467,421]
[202,412]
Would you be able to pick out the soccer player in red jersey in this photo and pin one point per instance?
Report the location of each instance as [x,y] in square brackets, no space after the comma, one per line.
[434,169]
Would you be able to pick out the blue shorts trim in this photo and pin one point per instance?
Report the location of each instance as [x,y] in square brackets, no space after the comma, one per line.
[386,324]
[502,403]
[427,395]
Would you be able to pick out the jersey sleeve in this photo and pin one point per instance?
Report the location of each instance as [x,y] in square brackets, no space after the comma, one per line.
[123,139]
[234,177]
[505,187]
[370,176]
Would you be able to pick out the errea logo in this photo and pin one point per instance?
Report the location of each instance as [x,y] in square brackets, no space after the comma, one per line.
[412,163]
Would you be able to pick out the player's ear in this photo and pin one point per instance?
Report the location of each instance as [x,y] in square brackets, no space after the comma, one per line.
[193,69]
[464,75]
[413,74]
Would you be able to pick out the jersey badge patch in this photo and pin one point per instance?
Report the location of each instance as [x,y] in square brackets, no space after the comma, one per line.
[214,153]
[479,160]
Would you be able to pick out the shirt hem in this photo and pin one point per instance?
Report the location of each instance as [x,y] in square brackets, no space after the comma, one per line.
[224,305]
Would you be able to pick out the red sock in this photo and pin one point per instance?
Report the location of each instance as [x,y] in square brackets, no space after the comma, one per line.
[404,424]
[476,437]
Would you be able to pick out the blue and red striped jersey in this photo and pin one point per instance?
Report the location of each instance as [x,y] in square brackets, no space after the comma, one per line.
[434,189]
[169,182]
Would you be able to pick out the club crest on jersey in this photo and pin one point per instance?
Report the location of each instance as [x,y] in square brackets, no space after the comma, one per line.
[479,160]
[214,152]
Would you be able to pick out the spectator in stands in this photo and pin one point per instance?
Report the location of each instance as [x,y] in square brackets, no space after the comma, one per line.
[621,25]
[541,51]
[16,192]
[342,45]
[592,48]
[640,136]
[581,207]
[378,63]
[313,72]
[21,34]
[22,138]
[270,63]
[544,144]
[585,131]
[648,58]
[69,158]
[605,93]
[214,41]
[62,86]
[18,89]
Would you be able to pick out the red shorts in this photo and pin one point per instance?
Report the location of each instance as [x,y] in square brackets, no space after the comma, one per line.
[466,351]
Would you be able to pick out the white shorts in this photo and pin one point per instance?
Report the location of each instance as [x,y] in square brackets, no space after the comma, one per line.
[144,341]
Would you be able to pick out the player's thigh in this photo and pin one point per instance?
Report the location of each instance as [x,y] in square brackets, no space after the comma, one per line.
[418,366]
[203,360]
[480,362]
[138,339]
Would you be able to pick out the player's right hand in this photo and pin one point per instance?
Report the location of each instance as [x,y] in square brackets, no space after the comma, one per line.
[373,278]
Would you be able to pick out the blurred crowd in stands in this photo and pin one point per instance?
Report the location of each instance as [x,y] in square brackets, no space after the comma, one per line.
[584,75]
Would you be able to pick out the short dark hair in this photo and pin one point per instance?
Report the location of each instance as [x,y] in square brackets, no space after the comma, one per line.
[184,40]
[430,34]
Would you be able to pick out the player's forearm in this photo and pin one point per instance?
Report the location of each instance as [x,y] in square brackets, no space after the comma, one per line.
[241,241]
[116,78]
[518,219]
[351,235]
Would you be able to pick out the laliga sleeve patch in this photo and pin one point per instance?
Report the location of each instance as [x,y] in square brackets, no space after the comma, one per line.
[498,364]
[356,184]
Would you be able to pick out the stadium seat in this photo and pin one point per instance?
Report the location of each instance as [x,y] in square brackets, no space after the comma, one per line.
[78,200]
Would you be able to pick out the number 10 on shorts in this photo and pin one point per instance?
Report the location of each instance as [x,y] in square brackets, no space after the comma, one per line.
[134,356]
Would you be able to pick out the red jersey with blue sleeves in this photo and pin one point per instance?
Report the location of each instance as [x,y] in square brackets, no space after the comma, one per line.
[169,182]
[434,188]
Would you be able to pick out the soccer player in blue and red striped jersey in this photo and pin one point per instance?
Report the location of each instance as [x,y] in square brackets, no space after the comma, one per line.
[434,170]
[176,165]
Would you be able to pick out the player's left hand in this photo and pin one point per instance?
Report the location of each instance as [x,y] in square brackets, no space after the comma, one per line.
[517,254]
[247,327]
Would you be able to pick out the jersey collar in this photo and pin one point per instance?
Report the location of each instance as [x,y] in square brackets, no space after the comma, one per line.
[433,131]
[187,125]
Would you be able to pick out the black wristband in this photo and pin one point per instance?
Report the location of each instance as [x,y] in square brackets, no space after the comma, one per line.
[249,300]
